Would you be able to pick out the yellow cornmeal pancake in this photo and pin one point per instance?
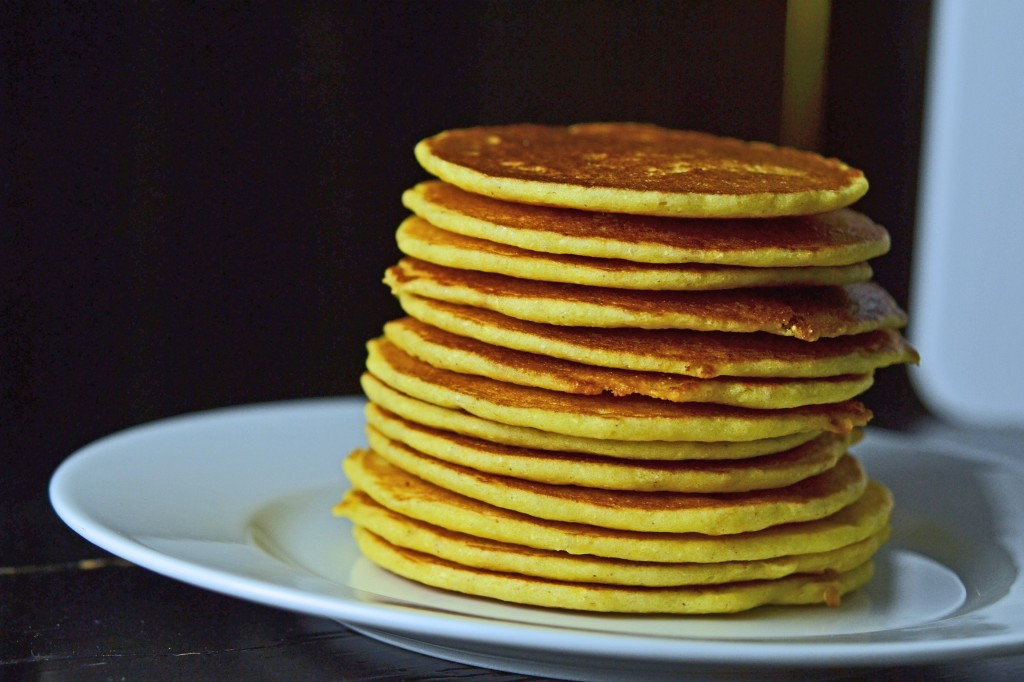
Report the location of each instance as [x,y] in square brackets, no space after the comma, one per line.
[801,588]
[639,168]
[386,399]
[696,476]
[804,312]
[600,416]
[693,353]
[512,558]
[837,238]
[410,496]
[468,356]
[666,512]
[420,239]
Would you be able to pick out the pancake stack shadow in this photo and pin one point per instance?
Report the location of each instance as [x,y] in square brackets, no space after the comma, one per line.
[627,378]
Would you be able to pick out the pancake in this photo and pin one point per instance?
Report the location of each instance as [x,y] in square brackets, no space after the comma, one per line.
[601,416]
[627,378]
[415,498]
[698,354]
[804,312]
[651,512]
[836,238]
[802,588]
[386,399]
[420,239]
[696,476]
[637,168]
[512,558]
[468,356]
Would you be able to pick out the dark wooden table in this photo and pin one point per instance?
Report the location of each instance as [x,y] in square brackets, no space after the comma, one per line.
[70,611]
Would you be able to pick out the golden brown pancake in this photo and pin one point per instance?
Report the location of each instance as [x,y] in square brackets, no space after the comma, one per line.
[842,237]
[412,409]
[665,512]
[420,239]
[698,354]
[693,476]
[415,498]
[801,588]
[637,168]
[600,416]
[804,312]
[627,376]
[468,356]
[507,557]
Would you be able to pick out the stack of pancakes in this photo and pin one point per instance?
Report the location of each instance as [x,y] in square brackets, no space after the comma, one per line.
[627,377]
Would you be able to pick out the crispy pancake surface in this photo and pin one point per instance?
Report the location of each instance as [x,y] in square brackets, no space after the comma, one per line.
[836,238]
[801,588]
[467,356]
[638,168]
[710,476]
[666,512]
[416,498]
[492,555]
[804,312]
[600,416]
[421,240]
[692,353]
[386,399]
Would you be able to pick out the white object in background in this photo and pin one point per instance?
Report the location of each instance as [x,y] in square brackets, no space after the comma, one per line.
[967,300]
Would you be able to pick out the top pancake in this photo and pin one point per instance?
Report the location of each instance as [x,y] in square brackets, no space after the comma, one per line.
[638,168]
[841,237]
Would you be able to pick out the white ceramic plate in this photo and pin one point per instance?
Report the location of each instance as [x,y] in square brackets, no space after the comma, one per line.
[238,501]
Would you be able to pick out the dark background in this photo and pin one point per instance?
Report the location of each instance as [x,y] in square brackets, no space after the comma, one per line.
[200,200]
